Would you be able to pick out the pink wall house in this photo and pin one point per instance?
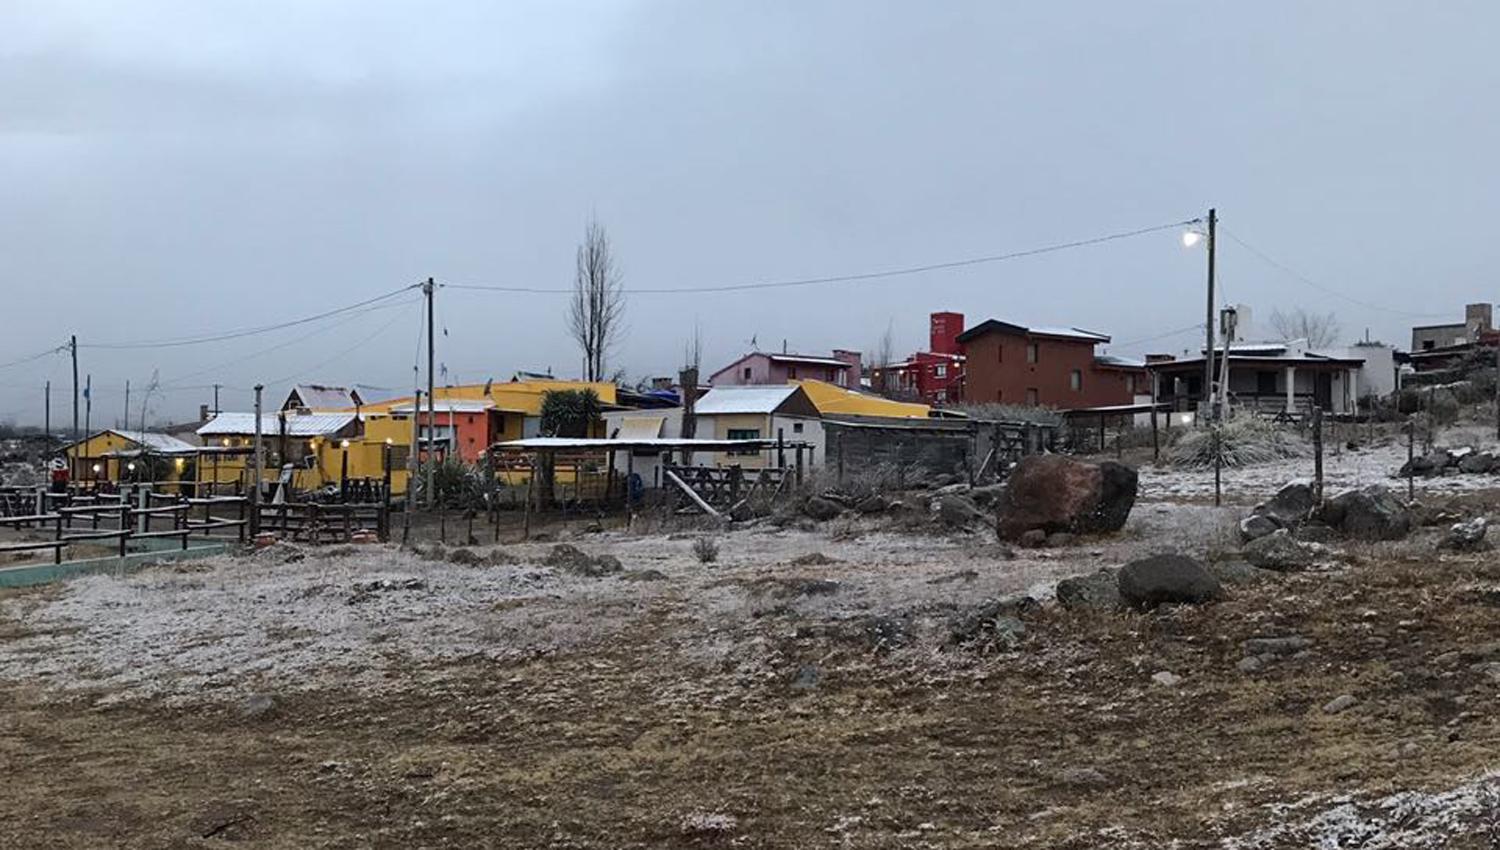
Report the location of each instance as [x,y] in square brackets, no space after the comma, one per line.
[759,367]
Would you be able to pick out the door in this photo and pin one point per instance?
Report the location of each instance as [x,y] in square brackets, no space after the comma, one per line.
[1323,390]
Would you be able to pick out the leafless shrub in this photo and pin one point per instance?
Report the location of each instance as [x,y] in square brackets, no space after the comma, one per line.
[706,549]
[1242,441]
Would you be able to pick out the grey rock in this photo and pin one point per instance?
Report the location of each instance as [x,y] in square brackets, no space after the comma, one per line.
[872,504]
[1060,540]
[1033,539]
[466,557]
[1167,579]
[643,575]
[1256,526]
[1289,645]
[1167,679]
[956,511]
[1370,513]
[1250,664]
[988,495]
[1239,572]
[1340,703]
[1096,592]
[1279,552]
[1467,536]
[1477,463]
[1291,504]
[256,706]
[573,560]
[992,621]
[1058,493]
[807,678]
[822,509]
[1313,531]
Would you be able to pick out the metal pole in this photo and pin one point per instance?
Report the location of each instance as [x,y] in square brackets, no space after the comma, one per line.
[1218,467]
[255,470]
[1411,454]
[1497,391]
[216,399]
[1208,354]
[427,288]
[88,401]
[47,412]
[73,347]
[127,403]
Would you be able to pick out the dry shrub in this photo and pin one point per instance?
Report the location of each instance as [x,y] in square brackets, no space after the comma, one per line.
[1242,441]
[706,549]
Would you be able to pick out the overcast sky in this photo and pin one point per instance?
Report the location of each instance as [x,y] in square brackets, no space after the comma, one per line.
[170,169]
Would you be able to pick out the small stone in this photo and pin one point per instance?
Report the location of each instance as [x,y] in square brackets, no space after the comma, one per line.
[1083,777]
[1250,664]
[1167,679]
[807,678]
[1340,703]
[1290,645]
[257,706]
[1033,539]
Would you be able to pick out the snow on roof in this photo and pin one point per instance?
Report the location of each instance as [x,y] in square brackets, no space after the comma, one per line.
[297,424]
[808,358]
[1122,362]
[1073,333]
[157,442]
[454,405]
[751,399]
[324,397]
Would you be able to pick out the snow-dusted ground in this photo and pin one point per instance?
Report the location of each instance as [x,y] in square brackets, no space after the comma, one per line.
[231,625]
[1408,819]
[1342,469]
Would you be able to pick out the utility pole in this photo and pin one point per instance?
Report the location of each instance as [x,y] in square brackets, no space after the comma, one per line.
[88,402]
[47,411]
[73,347]
[427,289]
[127,403]
[1208,352]
[216,399]
[255,474]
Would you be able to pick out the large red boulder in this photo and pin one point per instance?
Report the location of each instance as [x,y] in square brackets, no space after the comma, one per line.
[1056,493]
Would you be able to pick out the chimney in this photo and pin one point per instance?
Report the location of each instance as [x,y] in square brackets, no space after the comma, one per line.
[943,332]
[1478,318]
[202,413]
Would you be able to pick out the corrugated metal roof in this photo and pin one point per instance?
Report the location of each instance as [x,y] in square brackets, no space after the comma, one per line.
[833,400]
[323,397]
[297,424]
[810,358]
[157,442]
[751,399]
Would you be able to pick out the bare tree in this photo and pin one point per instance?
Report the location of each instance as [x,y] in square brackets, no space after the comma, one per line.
[1319,329]
[598,306]
[692,353]
[882,353]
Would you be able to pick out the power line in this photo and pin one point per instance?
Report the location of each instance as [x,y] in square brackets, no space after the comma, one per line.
[378,331]
[1166,335]
[198,340]
[30,357]
[1318,286]
[286,343]
[851,278]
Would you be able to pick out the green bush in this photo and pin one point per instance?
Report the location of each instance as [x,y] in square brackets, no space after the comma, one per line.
[569,413]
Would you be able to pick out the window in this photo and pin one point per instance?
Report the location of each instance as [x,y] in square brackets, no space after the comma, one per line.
[791,372]
[942,395]
[940,370]
[1031,352]
[747,373]
[1130,384]
[796,427]
[1031,396]
[999,354]
[1428,345]
[1265,382]
[1075,380]
[744,434]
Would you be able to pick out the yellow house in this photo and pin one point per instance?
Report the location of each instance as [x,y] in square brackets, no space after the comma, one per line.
[119,456]
[320,449]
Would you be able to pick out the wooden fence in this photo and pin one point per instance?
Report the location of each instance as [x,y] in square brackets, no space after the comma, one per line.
[119,519]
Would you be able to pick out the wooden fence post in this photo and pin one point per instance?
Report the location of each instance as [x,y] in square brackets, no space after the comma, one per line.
[1317,416]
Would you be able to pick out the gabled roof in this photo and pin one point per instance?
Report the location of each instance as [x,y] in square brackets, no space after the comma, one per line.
[1052,332]
[840,401]
[149,440]
[297,424]
[786,398]
[321,397]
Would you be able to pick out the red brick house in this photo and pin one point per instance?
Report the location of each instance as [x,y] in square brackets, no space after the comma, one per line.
[934,377]
[1046,366]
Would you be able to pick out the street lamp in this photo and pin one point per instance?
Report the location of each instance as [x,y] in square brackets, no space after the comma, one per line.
[1191,237]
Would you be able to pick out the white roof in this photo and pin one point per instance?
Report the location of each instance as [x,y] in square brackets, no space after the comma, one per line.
[297,424]
[749,399]
[156,442]
[640,427]
[1076,333]
[457,405]
[321,397]
[810,358]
